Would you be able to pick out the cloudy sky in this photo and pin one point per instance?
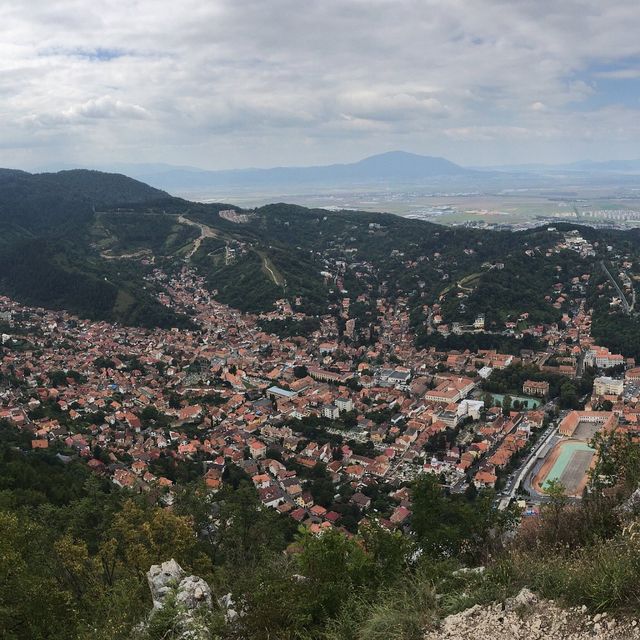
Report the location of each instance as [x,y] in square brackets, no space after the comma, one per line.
[235,83]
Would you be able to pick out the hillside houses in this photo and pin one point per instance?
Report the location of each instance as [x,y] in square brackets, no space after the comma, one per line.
[325,429]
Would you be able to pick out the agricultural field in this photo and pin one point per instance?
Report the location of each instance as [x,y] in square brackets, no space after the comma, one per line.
[519,208]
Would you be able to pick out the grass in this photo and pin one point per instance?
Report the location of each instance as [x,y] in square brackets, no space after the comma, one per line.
[602,575]
[124,302]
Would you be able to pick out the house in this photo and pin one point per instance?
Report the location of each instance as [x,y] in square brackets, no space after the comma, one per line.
[257,449]
[535,388]
[400,515]
[601,357]
[450,390]
[344,404]
[607,386]
[485,479]
[191,414]
[275,393]
[360,500]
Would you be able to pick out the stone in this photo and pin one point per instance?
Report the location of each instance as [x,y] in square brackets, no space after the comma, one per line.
[162,579]
[529,617]
[192,595]
[525,598]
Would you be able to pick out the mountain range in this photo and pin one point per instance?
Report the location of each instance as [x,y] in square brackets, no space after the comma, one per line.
[393,168]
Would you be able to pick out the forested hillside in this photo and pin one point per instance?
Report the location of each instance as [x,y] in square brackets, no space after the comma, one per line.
[46,256]
[84,240]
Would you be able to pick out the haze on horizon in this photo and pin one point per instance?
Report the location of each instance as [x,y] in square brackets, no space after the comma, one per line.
[237,83]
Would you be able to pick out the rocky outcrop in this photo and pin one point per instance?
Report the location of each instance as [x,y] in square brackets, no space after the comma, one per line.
[526,617]
[190,596]
[631,506]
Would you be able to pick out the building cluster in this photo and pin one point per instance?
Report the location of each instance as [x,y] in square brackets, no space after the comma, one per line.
[227,397]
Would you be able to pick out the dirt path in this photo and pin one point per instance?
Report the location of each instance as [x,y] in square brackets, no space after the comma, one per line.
[205,232]
[125,256]
[270,270]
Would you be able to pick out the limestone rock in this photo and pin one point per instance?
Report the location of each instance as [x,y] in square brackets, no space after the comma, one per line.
[193,593]
[192,598]
[525,598]
[528,617]
[632,504]
[162,579]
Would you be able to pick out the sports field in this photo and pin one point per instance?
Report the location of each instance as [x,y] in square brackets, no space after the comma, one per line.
[568,462]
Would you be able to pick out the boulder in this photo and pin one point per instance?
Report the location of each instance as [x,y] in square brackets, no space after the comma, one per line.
[192,598]
[162,579]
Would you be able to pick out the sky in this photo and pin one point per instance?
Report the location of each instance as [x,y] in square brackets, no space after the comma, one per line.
[224,84]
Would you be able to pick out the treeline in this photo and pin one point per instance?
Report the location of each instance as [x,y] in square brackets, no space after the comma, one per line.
[612,327]
[510,380]
[476,341]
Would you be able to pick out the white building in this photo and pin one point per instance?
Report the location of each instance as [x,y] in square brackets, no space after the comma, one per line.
[344,404]
[330,411]
[607,386]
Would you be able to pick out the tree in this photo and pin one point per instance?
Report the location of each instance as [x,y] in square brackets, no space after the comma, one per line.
[553,509]
[506,405]
[568,395]
[300,371]
[147,537]
[333,566]
[453,525]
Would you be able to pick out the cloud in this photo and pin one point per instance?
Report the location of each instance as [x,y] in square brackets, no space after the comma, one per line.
[243,82]
[389,106]
[485,133]
[105,107]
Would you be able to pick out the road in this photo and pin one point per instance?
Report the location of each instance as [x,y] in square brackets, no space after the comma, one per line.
[126,256]
[205,232]
[625,303]
[270,270]
[516,478]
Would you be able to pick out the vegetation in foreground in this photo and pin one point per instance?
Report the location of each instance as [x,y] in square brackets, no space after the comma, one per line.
[75,550]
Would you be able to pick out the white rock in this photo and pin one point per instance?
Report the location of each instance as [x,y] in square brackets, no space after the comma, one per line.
[191,595]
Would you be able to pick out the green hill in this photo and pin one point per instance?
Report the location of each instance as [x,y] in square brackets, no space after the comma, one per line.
[62,231]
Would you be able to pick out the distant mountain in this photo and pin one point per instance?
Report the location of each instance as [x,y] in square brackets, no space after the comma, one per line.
[619,167]
[393,166]
[608,166]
